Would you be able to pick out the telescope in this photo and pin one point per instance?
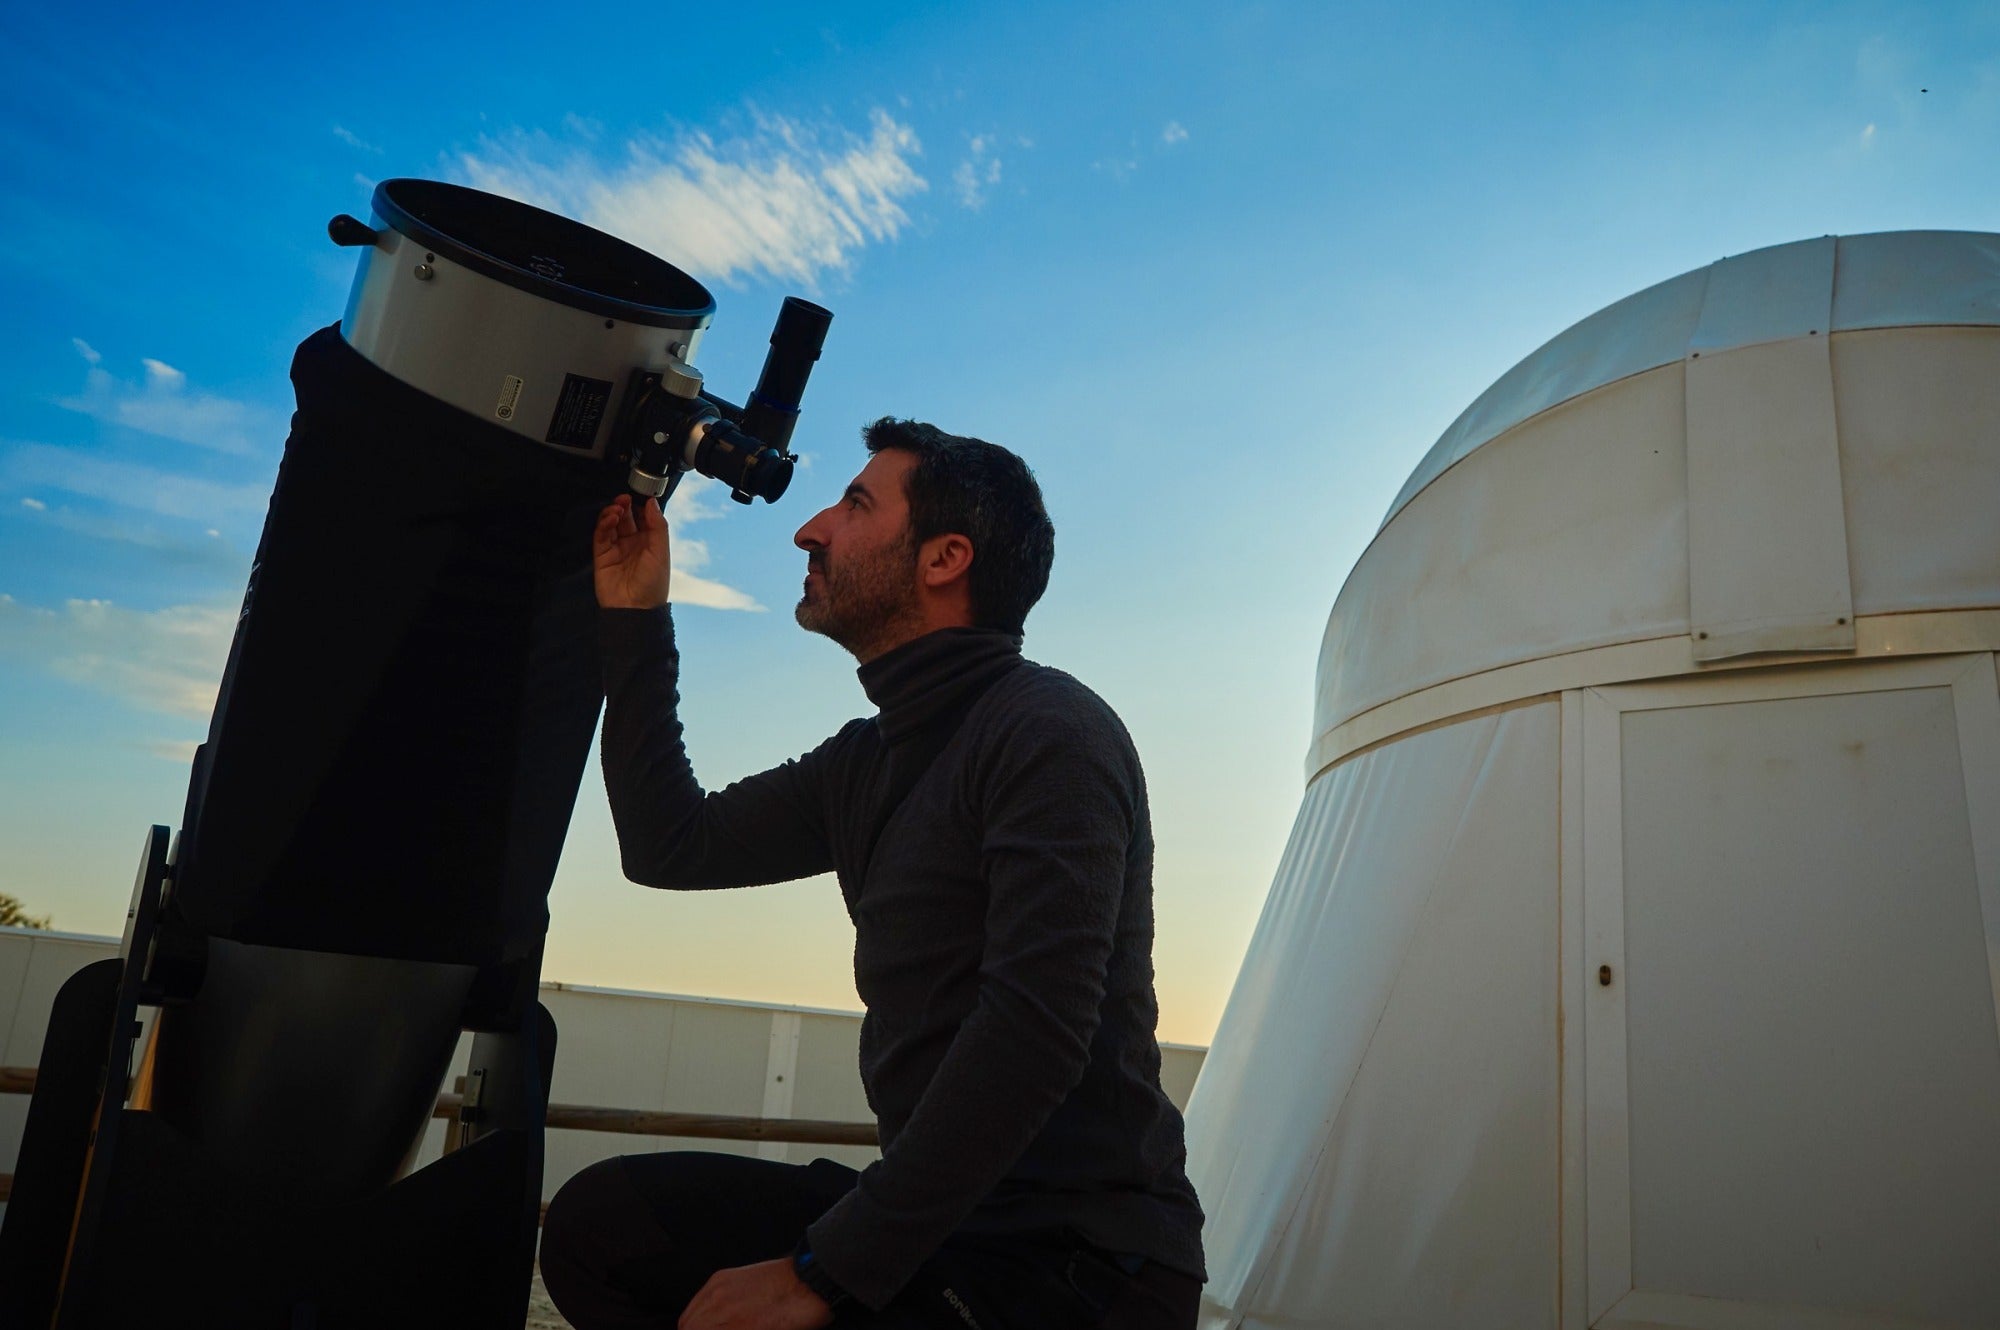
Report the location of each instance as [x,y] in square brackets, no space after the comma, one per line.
[535,323]
[374,820]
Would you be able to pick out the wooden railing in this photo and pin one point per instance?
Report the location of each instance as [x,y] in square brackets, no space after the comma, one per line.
[632,1121]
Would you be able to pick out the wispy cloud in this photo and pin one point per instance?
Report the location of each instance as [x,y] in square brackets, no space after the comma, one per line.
[40,466]
[166,660]
[1867,138]
[166,543]
[1124,165]
[977,173]
[1118,168]
[689,506]
[160,403]
[786,200]
[353,140]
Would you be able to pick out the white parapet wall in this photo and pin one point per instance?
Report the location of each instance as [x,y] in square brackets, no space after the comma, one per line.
[614,1049]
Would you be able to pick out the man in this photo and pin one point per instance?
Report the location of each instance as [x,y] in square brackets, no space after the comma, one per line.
[990,834]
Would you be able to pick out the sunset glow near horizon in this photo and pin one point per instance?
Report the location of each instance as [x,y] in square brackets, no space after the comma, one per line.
[1220,274]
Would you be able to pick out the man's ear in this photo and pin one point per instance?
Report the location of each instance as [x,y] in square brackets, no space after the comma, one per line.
[943,560]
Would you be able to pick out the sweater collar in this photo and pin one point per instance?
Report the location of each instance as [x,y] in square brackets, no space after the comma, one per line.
[928,677]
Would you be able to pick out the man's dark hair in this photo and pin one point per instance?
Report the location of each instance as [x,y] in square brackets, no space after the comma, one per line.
[978,490]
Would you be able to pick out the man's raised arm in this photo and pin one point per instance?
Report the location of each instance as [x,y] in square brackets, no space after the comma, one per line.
[769,827]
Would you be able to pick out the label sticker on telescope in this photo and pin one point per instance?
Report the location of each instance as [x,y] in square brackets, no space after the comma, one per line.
[510,396]
[579,411]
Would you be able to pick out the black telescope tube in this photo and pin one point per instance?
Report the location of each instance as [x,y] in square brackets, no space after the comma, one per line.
[772,409]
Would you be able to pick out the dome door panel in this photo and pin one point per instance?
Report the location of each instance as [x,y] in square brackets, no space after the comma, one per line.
[1791,1080]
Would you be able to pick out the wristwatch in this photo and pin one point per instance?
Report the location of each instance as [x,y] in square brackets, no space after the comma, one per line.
[814,1276]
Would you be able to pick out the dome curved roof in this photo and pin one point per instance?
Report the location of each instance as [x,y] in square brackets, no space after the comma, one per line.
[1757,460]
[1893,279]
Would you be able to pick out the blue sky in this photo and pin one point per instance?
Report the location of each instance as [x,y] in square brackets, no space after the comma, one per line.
[1221,273]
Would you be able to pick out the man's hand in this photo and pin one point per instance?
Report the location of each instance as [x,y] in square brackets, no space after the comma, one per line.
[629,554]
[765,1296]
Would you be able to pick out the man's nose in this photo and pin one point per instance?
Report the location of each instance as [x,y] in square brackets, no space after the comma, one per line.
[808,537]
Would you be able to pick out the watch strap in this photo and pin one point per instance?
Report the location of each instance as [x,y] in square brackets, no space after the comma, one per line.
[814,1276]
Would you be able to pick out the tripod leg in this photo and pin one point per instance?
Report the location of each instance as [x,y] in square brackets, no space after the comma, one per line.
[507,1078]
[512,1072]
[55,1143]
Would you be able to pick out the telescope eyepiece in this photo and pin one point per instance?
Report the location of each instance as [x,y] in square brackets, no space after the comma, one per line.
[752,468]
[801,327]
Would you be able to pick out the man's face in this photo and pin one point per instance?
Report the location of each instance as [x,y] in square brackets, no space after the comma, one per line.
[861,560]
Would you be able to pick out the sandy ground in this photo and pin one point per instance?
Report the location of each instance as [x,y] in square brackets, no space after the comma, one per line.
[542,1314]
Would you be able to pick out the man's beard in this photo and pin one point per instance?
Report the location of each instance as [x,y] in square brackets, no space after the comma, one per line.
[865,599]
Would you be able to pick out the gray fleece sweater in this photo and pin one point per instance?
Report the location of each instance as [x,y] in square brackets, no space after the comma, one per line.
[1003,938]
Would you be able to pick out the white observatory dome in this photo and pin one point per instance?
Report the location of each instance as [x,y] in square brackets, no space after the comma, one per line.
[1635,960]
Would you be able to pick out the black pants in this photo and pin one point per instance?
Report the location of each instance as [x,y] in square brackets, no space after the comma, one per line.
[630,1241]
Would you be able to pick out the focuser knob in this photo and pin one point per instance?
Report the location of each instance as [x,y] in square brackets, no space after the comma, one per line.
[681,379]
